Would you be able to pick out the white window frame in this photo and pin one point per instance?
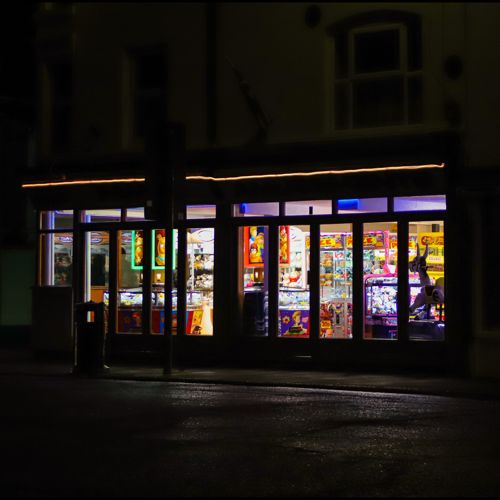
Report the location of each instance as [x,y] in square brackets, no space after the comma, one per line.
[353,77]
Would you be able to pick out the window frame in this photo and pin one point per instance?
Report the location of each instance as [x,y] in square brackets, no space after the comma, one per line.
[130,137]
[351,77]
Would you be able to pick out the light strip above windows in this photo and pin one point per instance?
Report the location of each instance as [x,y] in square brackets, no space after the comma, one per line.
[241,177]
[313,173]
[83,182]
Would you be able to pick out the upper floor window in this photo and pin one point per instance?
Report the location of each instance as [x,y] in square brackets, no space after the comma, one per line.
[148,72]
[377,70]
[61,91]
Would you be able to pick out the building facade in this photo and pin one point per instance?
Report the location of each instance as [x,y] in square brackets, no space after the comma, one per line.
[350,134]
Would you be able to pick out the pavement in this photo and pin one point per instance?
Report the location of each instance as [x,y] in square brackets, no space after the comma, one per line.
[24,362]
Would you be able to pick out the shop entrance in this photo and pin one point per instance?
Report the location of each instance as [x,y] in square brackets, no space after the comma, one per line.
[124,267]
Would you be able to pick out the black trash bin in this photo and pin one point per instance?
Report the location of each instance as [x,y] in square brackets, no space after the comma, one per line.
[90,330]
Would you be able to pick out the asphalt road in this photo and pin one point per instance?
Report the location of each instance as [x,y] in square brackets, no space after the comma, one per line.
[82,437]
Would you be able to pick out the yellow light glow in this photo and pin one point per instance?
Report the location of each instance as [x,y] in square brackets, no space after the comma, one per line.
[310,174]
[82,182]
[239,177]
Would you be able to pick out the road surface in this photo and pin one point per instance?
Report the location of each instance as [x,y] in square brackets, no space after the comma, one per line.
[85,437]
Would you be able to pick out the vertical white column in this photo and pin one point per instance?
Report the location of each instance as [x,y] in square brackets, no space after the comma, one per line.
[88,261]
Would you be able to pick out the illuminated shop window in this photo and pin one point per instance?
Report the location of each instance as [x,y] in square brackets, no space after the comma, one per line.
[56,250]
[200,212]
[335,280]
[158,282]
[426,280]
[361,205]
[130,277]
[97,268]
[135,213]
[294,291]
[416,203]
[253,288]
[380,280]
[130,281]
[56,219]
[308,207]
[103,215]
[256,209]
[200,281]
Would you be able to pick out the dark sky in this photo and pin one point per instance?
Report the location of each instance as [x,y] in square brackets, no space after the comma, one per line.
[17,68]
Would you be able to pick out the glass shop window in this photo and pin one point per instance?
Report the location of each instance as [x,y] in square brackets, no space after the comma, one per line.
[335,281]
[56,219]
[415,203]
[256,209]
[380,280]
[56,250]
[130,293]
[294,292]
[308,207]
[97,268]
[158,282]
[200,281]
[135,213]
[426,280]
[361,205]
[103,215]
[253,286]
[200,212]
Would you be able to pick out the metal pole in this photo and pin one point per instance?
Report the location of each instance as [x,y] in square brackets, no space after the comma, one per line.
[167,332]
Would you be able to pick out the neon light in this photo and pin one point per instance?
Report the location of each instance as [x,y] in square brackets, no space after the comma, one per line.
[83,182]
[310,174]
[239,177]
[349,204]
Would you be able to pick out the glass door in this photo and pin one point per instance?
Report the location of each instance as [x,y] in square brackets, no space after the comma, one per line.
[129,300]
[96,265]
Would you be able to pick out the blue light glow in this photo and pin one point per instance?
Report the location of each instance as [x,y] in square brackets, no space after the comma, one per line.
[349,204]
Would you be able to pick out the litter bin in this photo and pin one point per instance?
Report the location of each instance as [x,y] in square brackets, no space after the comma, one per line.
[90,330]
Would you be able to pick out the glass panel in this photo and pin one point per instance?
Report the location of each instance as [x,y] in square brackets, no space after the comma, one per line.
[378,102]
[256,209]
[56,259]
[335,280]
[376,51]
[380,280]
[361,205]
[135,213]
[426,280]
[253,274]
[308,207]
[129,299]
[200,212]
[158,282]
[415,99]
[342,106]
[56,219]
[106,215]
[200,281]
[414,203]
[294,262]
[97,265]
